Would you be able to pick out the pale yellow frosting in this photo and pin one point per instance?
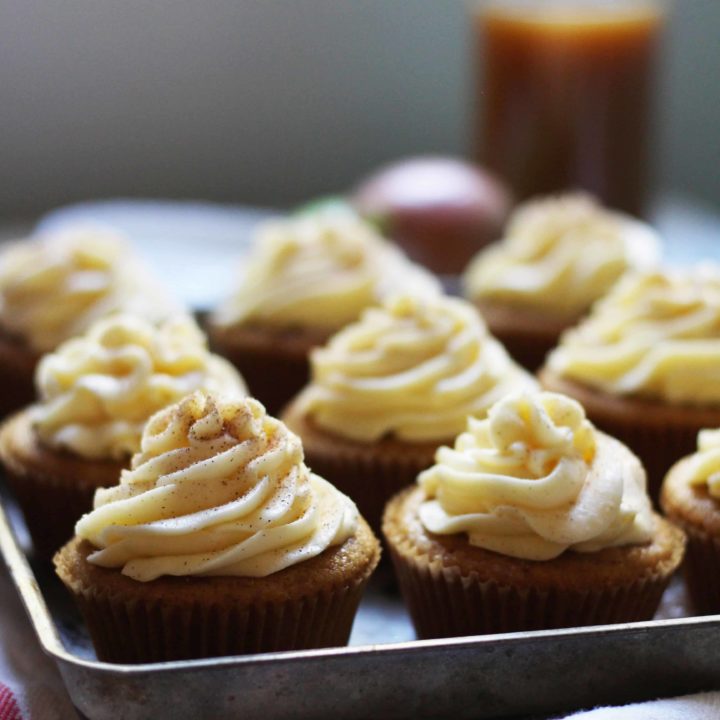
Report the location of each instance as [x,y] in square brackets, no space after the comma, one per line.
[97,391]
[704,466]
[218,488]
[55,286]
[560,254]
[320,270]
[414,368]
[535,479]
[656,335]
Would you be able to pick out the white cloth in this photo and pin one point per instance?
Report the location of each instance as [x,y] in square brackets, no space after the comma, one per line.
[32,677]
[703,706]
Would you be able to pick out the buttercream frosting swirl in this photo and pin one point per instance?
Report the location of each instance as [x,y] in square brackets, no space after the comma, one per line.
[535,479]
[97,391]
[320,269]
[703,467]
[414,368]
[656,335]
[218,488]
[54,286]
[560,254]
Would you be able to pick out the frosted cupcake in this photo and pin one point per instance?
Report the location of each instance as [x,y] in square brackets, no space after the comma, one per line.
[387,391]
[691,499]
[95,394]
[644,364]
[217,541]
[306,277]
[53,287]
[559,255]
[533,520]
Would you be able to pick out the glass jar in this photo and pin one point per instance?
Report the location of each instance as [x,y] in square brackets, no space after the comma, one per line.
[566,93]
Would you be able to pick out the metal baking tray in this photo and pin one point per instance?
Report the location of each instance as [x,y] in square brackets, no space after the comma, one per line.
[384,673]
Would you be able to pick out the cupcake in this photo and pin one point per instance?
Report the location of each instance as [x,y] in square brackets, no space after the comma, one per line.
[217,541]
[54,286]
[559,255]
[387,391]
[644,364]
[95,394]
[691,499]
[306,277]
[533,520]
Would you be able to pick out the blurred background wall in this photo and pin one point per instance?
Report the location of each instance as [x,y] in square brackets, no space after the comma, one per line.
[273,101]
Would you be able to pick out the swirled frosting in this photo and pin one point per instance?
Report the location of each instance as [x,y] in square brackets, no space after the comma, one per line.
[534,479]
[703,467]
[656,335]
[320,269]
[55,286]
[560,254]
[414,368]
[97,391]
[218,488]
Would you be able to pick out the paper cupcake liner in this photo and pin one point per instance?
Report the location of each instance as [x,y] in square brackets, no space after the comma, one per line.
[369,481]
[186,618]
[529,351]
[272,378]
[701,568]
[370,474]
[526,334]
[53,487]
[51,509]
[275,371]
[17,377]
[444,603]
[692,508]
[135,631]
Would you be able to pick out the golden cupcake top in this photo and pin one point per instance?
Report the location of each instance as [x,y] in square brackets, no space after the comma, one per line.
[560,254]
[218,488]
[97,391]
[534,479]
[414,368]
[319,269]
[655,335]
[54,286]
[703,467]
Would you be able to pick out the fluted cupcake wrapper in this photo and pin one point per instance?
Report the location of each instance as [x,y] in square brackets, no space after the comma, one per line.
[133,630]
[273,378]
[529,351]
[368,473]
[274,363]
[50,507]
[528,334]
[444,603]
[701,568]
[53,487]
[369,481]
[17,374]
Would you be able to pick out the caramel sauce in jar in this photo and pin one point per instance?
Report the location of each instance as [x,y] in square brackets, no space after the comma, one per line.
[566,96]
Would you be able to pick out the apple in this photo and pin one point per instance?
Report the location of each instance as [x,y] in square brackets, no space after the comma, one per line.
[440,210]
